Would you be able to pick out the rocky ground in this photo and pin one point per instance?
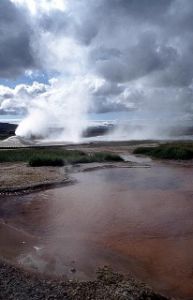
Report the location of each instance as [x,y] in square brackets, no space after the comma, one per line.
[19,177]
[19,285]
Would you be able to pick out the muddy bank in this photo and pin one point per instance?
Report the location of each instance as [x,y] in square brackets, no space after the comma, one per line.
[20,179]
[17,284]
[36,187]
[20,175]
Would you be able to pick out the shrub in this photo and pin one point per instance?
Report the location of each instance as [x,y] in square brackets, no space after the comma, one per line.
[105,156]
[46,161]
[176,151]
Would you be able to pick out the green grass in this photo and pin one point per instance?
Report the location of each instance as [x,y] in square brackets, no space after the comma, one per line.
[46,161]
[54,156]
[175,151]
[24,155]
[99,157]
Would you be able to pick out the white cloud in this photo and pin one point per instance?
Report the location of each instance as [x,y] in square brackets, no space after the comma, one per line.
[17,100]
[42,6]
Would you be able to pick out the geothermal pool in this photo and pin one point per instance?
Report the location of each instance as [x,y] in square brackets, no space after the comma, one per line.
[137,220]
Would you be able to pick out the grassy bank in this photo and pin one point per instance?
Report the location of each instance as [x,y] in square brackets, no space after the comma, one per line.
[175,151]
[54,156]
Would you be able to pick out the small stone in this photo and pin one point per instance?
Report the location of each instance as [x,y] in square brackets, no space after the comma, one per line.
[73,270]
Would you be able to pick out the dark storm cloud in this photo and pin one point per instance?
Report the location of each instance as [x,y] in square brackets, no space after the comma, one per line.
[57,22]
[139,39]
[146,42]
[145,10]
[131,39]
[125,39]
[15,35]
[80,22]
[136,61]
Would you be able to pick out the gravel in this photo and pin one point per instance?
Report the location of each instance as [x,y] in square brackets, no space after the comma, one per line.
[20,285]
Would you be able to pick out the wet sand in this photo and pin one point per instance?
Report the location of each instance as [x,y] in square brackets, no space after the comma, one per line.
[137,220]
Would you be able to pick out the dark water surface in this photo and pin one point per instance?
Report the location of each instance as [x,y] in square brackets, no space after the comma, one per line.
[137,220]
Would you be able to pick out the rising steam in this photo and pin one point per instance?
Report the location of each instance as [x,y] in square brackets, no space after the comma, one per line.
[58,114]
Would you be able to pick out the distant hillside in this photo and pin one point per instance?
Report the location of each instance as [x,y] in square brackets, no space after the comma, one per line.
[7,130]
[93,131]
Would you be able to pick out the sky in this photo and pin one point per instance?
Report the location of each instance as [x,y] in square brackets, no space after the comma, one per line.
[97,57]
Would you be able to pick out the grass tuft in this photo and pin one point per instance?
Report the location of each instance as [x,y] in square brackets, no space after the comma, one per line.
[99,157]
[175,151]
[39,161]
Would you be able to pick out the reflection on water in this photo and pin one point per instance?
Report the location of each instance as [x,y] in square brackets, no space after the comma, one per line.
[137,220]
